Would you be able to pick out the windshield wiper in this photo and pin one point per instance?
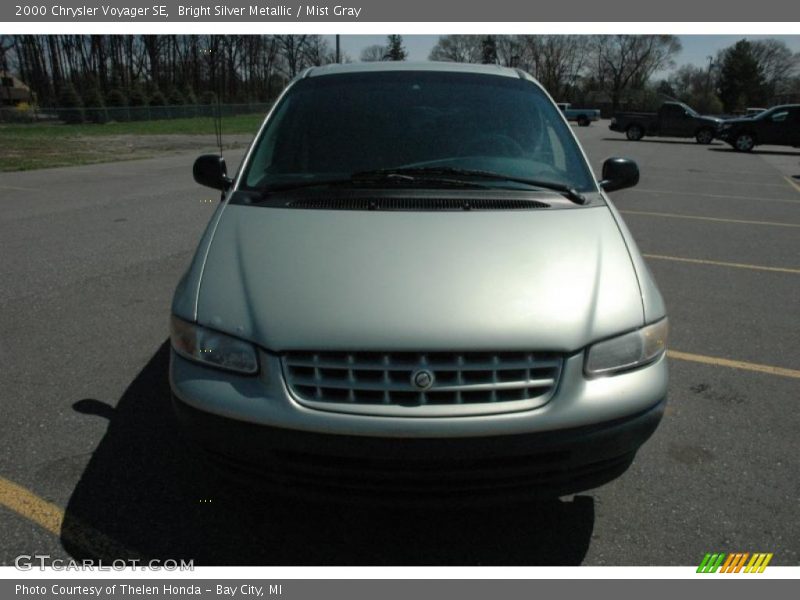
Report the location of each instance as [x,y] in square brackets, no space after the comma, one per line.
[378,176]
[435,173]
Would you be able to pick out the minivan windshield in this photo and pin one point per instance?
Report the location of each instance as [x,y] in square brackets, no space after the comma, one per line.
[332,128]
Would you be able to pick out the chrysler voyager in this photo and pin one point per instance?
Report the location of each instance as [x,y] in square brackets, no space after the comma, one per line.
[414,285]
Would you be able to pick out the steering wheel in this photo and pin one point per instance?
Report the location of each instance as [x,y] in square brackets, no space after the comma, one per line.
[495,144]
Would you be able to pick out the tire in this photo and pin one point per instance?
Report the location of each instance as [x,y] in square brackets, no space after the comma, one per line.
[634,133]
[584,121]
[704,136]
[744,142]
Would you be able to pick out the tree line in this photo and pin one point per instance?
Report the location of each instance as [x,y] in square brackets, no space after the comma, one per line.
[621,69]
[617,70]
[157,70]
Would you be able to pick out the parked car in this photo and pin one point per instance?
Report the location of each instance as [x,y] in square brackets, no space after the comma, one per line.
[673,119]
[778,126]
[583,116]
[416,285]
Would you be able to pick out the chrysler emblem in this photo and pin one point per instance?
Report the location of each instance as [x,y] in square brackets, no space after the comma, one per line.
[422,379]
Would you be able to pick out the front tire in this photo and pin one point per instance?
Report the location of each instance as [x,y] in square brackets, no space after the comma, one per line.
[704,136]
[583,121]
[634,133]
[744,142]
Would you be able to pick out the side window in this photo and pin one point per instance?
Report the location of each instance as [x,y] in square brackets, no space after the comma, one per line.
[780,117]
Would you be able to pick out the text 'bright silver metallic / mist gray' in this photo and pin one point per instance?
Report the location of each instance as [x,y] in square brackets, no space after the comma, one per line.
[415,286]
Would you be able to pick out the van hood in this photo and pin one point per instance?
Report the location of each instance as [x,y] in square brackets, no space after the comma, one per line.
[541,279]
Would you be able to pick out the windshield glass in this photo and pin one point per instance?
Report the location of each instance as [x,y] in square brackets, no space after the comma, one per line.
[692,112]
[329,127]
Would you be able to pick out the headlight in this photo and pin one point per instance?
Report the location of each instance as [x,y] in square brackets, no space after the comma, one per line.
[212,347]
[627,351]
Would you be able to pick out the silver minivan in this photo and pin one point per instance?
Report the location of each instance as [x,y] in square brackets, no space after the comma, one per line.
[414,285]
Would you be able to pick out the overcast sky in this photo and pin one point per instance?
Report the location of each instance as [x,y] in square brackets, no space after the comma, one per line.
[696,48]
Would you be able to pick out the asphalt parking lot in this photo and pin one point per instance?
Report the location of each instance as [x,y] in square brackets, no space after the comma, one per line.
[91,464]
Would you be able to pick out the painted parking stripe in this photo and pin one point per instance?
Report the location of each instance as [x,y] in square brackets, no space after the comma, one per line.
[50,517]
[716,196]
[17,189]
[718,263]
[700,218]
[792,183]
[734,364]
[707,180]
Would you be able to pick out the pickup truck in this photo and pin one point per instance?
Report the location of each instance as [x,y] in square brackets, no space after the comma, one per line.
[673,119]
[778,126]
[583,116]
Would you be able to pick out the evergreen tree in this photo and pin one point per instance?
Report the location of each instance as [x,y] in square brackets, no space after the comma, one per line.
[741,82]
[95,110]
[395,49]
[489,50]
[71,106]
[117,105]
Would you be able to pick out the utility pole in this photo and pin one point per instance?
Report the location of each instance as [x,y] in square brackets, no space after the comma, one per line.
[337,49]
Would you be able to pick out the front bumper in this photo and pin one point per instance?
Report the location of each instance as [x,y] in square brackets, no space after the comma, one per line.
[542,464]
[585,436]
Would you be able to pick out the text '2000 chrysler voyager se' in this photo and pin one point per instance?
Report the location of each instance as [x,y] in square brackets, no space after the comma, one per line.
[415,285]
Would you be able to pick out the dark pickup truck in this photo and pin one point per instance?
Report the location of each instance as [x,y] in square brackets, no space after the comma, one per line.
[673,119]
[778,126]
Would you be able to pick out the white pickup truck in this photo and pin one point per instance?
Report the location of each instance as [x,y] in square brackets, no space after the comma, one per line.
[583,116]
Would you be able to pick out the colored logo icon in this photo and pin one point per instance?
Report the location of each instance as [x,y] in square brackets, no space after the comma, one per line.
[735,562]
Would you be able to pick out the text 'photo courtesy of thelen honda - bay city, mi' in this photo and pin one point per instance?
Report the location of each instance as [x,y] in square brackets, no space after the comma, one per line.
[415,286]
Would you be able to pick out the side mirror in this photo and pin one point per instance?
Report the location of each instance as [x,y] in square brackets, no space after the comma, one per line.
[618,174]
[210,170]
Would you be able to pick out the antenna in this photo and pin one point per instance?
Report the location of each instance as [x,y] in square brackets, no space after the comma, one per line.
[218,124]
[217,116]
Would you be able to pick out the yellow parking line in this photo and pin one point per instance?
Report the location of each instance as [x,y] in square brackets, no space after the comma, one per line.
[29,505]
[699,218]
[50,517]
[792,183]
[718,196]
[734,364]
[718,263]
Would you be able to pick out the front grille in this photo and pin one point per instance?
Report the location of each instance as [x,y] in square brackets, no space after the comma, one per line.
[422,384]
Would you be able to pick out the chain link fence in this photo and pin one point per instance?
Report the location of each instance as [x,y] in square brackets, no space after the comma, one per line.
[107,114]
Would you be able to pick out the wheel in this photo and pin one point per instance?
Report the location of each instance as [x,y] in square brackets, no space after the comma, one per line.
[704,136]
[744,142]
[634,133]
[584,121]
[495,144]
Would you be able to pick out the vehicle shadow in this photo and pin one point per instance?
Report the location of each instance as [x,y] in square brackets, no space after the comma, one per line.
[757,151]
[691,142]
[145,495]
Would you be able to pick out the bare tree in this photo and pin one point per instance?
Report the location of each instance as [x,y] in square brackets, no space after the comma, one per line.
[292,50]
[557,61]
[373,53]
[623,62]
[458,48]
[776,62]
[318,51]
